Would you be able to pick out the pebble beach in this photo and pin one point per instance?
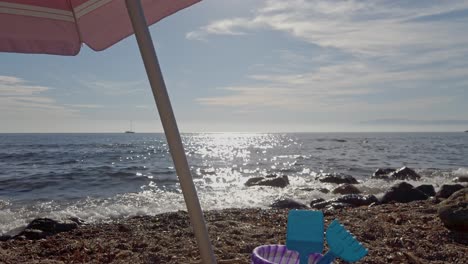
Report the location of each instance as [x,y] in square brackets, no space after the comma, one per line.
[393,233]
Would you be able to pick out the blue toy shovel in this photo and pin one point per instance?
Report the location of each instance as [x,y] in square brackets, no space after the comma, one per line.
[342,244]
[305,233]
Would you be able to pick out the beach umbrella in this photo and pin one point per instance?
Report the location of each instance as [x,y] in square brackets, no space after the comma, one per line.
[60,27]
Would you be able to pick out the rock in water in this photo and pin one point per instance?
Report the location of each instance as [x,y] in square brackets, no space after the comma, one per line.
[349,200]
[43,227]
[254,181]
[403,193]
[428,189]
[346,189]
[382,173]
[5,237]
[448,189]
[356,199]
[404,173]
[329,205]
[337,178]
[270,180]
[52,226]
[288,204]
[308,189]
[454,211]
[34,234]
[316,201]
[461,179]
[319,205]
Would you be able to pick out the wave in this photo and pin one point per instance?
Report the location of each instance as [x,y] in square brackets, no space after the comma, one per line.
[222,191]
[461,172]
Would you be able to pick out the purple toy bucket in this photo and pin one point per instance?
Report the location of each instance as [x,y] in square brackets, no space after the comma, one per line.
[279,254]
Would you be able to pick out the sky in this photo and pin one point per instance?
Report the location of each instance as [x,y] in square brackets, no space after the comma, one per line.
[260,66]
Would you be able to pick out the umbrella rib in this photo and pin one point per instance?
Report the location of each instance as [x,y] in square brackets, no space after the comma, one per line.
[35,8]
[89,6]
[32,11]
[80,38]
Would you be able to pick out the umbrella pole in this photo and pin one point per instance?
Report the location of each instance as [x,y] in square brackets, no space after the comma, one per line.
[169,123]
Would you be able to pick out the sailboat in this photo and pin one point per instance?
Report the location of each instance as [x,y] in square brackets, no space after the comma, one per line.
[131,129]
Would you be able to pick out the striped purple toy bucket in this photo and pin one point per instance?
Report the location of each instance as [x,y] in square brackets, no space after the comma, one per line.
[279,254]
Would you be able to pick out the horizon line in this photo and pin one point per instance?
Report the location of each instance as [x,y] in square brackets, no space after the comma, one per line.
[237,132]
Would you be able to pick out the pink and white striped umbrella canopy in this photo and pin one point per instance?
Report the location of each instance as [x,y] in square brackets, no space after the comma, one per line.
[61,26]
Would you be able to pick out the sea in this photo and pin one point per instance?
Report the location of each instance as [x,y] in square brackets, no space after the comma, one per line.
[102,177]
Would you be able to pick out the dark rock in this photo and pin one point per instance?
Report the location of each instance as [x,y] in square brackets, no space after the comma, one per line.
[403,193]
[356,199]
[453,212]
[461,179]
[254,181]
[337,178]
[5,237]
[448,189]
[288,204]
[65,226]
[334,206]
[349,200]
[77,220]
[428,189]
[346,189]
[316,201]
[34,234]
[123,228]
[404,173]
[52,226]
[43,227]
[382,173]
[270,180]
[330,205]
[322,190]
[43,224]
[320,205]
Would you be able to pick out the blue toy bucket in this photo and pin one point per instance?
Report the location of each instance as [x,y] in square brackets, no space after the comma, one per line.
[279,254]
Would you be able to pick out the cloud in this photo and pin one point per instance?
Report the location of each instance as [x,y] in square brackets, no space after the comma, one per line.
[10,80]
[362,27]
[21,100]
[117,88]
[252,99]
[254,96]
[364,53]
[338,87]
[89,106]
[404,122]
[145,106]
[221,27]
[13,86]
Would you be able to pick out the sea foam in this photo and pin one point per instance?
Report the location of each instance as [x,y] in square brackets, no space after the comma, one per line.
[461,172]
